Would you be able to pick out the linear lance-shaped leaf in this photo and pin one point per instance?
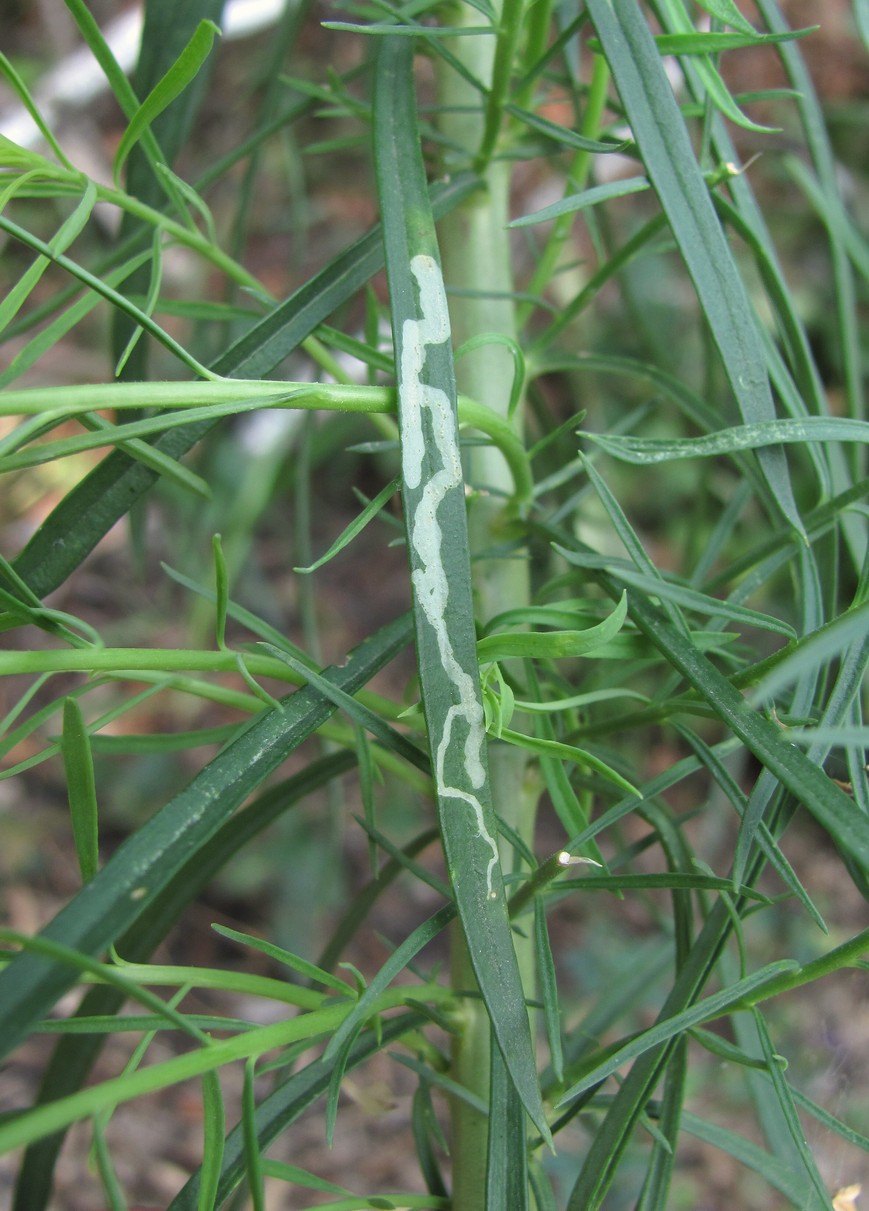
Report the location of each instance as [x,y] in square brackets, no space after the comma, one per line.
[659,130]
[434,506]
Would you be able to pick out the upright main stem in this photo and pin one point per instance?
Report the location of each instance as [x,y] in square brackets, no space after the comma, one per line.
[477,270]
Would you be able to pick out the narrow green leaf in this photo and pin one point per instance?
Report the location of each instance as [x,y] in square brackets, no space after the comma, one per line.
[135,1023]
[723,1050]
[507,22]
[691,599]
[562,134]
[669,881]
[253,1159]
[825,164]
[434,504]
[166,29]
[411,31]
[541,1187]
[614,1134]
[394,965]
[815,651]
[15,297]
[507,1159]
[46,1119]
[672,167]
[214,1118]
[146,454]
[119,976]
[366,767]
[774,1068]
[356,527]
[284,1105]
[100,287]
[80,788]
[553,645]
[154,277]
[630,541]
[727,12]
[581,201]
[449,1086]
[848,954]
[105,1167]
[426,1131]
[780,1176]
[44,340]
[295,962]
[762,836]
[713,43]
[173,83]
[648,451]
[338,1059]
[480,341]
[359,907]
[93,36]
[569,752]
[830,1122]
[221,591]
[362,715]
[121,87]
[548,985]
[576,701]
[801,776]
[298,1176]
[73,1058]
[706,1010]
[827,803]
[655,1194]
[247,618]
[714,90]
[165,975]
[18,157]
[405,862]
[127,885]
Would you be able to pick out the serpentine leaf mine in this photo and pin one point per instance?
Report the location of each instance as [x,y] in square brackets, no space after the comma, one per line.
[426,537]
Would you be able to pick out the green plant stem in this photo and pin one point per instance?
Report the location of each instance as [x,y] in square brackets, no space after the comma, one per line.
[846,955]
[164,660]
[227,396]
[576,181]
[470,1054]
[498,78]
[538,19]
[547,872]
[74,183]
[69,400]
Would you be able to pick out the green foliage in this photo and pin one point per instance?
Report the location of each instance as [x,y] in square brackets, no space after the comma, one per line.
[640,628]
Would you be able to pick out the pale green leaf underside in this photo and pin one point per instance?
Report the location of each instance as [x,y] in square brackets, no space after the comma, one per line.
[648,451]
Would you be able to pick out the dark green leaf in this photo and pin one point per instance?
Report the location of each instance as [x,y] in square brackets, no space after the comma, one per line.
[80,788]
[673,170]
[434,504]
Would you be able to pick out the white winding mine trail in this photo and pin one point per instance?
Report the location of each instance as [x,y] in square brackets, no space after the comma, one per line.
[426,537]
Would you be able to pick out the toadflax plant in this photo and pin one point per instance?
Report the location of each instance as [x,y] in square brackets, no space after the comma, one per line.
[631,464]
